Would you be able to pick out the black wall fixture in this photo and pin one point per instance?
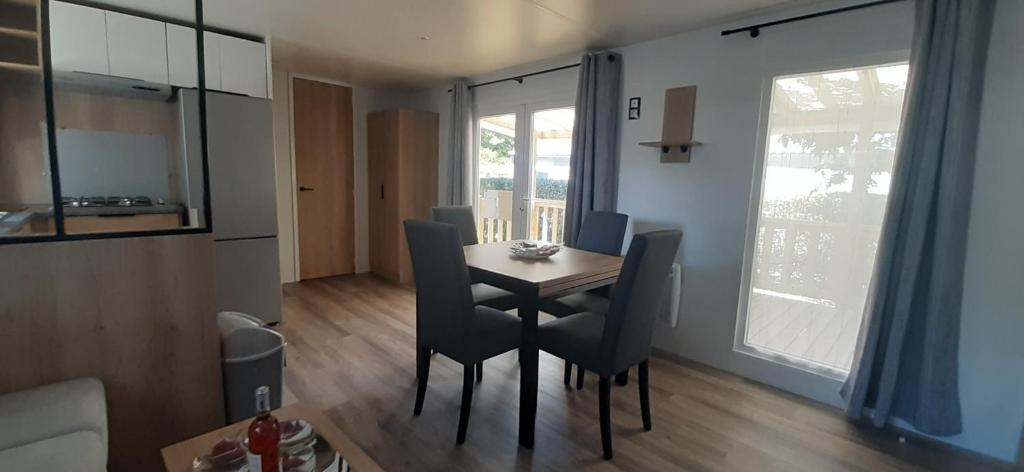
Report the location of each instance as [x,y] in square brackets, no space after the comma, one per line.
[634,108]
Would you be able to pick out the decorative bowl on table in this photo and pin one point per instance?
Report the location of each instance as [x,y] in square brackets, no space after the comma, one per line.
[533,250]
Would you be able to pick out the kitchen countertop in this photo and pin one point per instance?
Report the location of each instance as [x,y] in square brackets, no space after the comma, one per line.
[15,220]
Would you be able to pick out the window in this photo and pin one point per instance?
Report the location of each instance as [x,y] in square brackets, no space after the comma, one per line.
[829,148]
[496,172]
[551,143]
[521,195]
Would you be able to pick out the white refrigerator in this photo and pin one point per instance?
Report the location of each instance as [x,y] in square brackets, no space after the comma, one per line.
[243,201]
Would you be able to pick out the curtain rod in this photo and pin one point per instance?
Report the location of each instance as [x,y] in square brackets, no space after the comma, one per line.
[755,30]
[519,78]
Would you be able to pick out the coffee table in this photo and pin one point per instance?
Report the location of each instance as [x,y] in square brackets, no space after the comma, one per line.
[178,457]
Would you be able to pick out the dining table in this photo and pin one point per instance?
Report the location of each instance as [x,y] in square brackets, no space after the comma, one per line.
[568,271]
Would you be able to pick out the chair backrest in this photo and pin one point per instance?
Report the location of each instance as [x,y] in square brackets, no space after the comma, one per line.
[444,301]
[602,231]
[461,217]
[636,296]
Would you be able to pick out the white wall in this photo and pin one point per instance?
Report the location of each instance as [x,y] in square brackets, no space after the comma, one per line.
[991,351]
[283,170]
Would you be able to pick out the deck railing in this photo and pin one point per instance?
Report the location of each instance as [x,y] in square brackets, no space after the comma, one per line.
[810,258]
[547,220]
[494,218]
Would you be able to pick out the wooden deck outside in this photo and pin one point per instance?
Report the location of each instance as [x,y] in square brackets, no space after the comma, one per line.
[812,332]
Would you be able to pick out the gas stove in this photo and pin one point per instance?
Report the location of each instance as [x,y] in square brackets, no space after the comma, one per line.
[114,201]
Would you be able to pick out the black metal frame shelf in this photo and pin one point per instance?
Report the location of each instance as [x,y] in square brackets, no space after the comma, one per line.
[51,135]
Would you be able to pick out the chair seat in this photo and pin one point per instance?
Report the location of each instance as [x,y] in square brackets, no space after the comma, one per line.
[577,339]
[494,297]
[493,332]
[575,303]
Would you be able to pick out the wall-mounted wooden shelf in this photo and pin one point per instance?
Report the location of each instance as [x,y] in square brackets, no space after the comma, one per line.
[677,125]
[19,33]
[666,147]
[18,67]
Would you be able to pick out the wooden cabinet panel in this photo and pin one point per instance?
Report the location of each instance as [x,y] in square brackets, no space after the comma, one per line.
[116,224]
[382,188]
[402,155]
[136,313]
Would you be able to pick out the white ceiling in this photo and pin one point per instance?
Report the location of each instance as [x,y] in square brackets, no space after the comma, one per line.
[379,41]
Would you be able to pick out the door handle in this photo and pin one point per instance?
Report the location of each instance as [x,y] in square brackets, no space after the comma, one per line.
[305,189]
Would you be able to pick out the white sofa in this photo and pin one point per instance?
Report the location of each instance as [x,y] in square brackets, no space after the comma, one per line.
[62,427]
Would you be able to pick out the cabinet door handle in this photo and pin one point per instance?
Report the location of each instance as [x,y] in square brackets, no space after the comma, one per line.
[305,189]
[381,191]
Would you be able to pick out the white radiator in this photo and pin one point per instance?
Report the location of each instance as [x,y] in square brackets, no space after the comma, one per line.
[670,308]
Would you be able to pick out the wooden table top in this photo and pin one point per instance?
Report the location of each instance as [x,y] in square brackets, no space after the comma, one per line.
[178,457]
[569,268]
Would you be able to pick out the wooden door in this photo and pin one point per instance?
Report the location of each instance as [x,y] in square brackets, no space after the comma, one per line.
[417,162]
[383,192]
[323,177]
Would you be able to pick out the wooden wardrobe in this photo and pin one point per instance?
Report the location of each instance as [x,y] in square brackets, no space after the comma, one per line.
[402,166]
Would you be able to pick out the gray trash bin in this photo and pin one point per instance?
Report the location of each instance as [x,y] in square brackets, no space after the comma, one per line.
[253,355]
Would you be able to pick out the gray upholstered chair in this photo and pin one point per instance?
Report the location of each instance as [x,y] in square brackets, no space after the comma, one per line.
[611,343]
[462,218]
[602,231]
[447,320]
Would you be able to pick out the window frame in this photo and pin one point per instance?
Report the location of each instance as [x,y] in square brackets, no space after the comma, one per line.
[756,199]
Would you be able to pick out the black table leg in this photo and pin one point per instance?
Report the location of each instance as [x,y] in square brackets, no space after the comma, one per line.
[528,357]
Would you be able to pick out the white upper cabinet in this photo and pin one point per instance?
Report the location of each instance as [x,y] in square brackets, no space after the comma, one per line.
[243,66]
[85,39]
[211,46]
[78,38]
[137,47]
[182,64]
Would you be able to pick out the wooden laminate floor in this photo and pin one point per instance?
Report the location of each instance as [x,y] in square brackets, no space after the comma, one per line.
[351,353]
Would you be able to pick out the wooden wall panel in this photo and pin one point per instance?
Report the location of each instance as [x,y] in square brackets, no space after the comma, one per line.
[136,313]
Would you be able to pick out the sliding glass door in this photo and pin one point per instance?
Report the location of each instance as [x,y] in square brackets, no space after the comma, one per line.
[829,147]
[521,195]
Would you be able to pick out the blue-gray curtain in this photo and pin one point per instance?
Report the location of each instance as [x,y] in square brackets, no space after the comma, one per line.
[460,146]
[905,364]
[594,161]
